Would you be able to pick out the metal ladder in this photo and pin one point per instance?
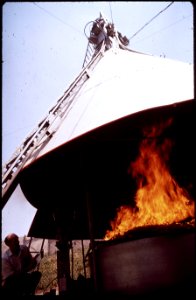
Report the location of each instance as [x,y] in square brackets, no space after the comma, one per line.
[90,51]
[39,137]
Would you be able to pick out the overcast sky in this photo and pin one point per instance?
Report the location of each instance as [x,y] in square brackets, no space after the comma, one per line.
[43,51]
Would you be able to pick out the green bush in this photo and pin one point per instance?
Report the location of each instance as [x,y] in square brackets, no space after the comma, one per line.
[48,267]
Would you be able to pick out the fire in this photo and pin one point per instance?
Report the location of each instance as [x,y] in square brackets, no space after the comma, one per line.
[159,199]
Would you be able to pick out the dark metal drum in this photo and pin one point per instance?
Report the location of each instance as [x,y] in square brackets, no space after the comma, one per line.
[146,265]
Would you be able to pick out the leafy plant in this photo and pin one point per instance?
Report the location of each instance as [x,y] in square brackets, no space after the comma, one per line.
[48,267]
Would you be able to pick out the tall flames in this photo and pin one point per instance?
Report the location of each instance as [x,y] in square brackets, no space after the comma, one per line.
[159,199]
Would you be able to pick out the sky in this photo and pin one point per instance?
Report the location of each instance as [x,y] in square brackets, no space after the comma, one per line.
[43,49]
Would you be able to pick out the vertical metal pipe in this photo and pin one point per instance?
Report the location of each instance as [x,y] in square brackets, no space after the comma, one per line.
[42,246]
[92,242]
[83,258]
[63,263]
[72,260]
[30,243]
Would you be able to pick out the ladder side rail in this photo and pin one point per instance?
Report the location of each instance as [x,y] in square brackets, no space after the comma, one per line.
[62,116]
[59,102]
[40,128]
[88,67]
[68,108]
[7,183]
[25,148]
[24,152]
[96,56]
[53,110]
[84,62]
[89,53]
[43,123]
[38,148]
[43,126]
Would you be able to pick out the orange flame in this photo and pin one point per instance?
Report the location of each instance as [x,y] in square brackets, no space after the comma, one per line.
[159,200]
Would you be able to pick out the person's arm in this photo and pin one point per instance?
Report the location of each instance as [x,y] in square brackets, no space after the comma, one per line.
[7,270]
[29,262]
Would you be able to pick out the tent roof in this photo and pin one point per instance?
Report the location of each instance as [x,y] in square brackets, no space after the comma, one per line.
[122,83]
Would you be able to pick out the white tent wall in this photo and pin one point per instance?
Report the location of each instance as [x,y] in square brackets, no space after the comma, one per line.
[122,83]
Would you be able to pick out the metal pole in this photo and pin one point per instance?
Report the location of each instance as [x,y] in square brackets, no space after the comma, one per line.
[92,242]
[72,260]
[63,264]
[83,258]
